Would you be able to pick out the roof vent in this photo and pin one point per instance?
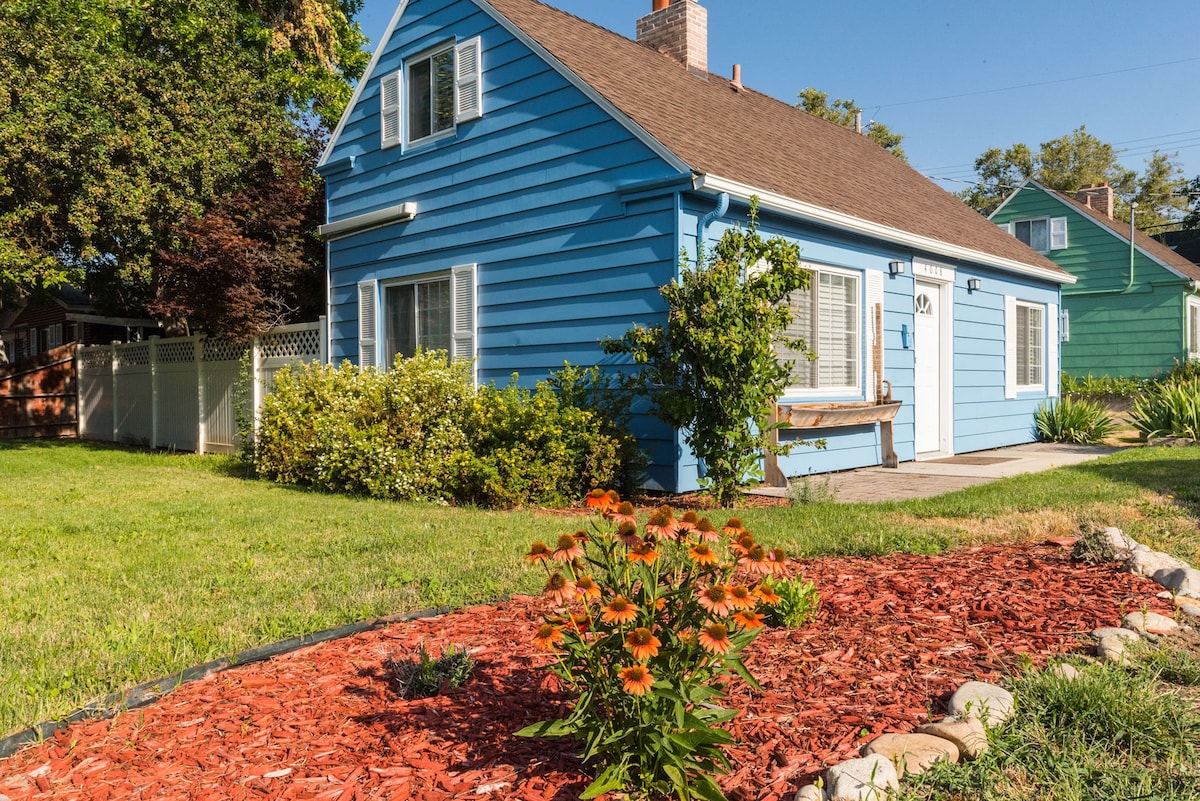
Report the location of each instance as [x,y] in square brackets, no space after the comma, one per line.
[736,81]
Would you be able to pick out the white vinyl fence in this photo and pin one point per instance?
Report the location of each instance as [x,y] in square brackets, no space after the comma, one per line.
[180,393]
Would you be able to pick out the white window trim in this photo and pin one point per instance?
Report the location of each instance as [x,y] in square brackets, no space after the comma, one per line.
[426,55]
[839,391]
[1192,307]
[1011,387]
[1056,230]
[464,306]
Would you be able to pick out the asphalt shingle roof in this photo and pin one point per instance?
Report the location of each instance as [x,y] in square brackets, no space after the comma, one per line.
[753,139]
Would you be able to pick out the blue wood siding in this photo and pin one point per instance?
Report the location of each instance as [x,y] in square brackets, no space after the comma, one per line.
[531,192]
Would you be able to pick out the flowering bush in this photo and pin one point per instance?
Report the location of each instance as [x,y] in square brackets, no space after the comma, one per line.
[646,622]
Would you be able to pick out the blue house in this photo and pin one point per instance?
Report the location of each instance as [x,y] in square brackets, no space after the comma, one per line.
[512,183]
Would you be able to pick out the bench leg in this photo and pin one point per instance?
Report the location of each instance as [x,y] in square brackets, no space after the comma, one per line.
[887,445]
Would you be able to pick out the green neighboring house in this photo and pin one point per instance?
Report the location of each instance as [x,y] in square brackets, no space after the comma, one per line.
[1135,311]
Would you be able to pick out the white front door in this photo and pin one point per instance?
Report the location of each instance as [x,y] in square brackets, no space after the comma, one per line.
[927,351]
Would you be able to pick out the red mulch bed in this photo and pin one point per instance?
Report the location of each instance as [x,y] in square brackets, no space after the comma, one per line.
[894,638]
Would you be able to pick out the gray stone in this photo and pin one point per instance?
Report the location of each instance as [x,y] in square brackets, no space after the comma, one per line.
[1112,649]
[987,702]
[1183,581]
[1146,563]
[1118,541]
[811,792]
[1191,610]
[1113,631]
[1064,670]
[871,778]
[967,734]
[1149,623]
[913,753]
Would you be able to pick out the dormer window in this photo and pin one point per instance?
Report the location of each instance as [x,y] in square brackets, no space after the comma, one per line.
[437,89]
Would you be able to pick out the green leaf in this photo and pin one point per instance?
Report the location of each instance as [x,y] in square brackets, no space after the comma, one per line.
[706,788]
[614,777]
[741,670]
[548,728]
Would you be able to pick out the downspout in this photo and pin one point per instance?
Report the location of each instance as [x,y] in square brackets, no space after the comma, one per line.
[1132,253]
[719,211]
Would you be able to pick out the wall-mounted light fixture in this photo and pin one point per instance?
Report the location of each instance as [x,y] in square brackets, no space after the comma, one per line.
[973,284]
[896,267]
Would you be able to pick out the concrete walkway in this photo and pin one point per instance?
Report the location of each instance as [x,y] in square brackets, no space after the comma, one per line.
[924,479]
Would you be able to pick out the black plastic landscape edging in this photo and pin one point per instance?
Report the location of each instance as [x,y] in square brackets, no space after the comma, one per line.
[150,691]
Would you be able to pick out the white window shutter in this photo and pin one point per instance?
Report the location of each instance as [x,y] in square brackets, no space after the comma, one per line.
[1053,340]
[368,299]
[1010,346]
[875,372]
[464,311]
[389,109]
[1058,233]
[468,76]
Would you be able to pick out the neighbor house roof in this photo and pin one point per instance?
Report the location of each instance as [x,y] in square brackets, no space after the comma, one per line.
[1146,243]
[744,139]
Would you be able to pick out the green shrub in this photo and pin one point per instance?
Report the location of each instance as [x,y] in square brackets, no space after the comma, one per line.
[387,434]
[421,431]
[528,447]
[1102,388]
[1069,420]
[1169,409]
[798,603]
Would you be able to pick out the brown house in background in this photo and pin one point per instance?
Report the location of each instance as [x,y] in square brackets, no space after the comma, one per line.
[67,317]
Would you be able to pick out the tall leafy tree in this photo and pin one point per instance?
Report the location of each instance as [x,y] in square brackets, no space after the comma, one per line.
[1075,160]
[128,120]
[1192,219]
[845,113]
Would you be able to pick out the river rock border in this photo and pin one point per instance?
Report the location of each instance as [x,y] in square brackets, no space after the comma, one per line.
[979,706]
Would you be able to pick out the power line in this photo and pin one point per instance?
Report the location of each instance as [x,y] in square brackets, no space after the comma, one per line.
[1038,83]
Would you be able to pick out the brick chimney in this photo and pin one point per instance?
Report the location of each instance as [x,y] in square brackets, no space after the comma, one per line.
[678,28]
[1098,197]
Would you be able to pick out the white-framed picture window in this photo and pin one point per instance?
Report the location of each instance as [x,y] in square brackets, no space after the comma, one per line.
[828,317]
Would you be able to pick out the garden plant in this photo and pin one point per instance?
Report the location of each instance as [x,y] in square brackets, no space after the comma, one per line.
[1069,420]
[647,621]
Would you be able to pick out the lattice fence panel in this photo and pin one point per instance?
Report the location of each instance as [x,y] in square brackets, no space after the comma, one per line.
[302,344]
[135,354]
[222,350]
[95,358]
[176,351]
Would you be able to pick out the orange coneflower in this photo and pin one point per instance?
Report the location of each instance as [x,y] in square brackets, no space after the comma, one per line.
[734,528]
[756,560]
[623,513]
[741,597]
[598,499]
[642,643]
[618,611]
[637,678]
[749,620]
[547,636]
[766,593]
[716,600]
[688,521]
[714,638]
[587,588]
[627,534]
[581,536]
[701,554]
[559,588]
[661,524]
[743,543]
[707,531]
[778,559]
[568,549]
[577,623]
[643,553]
[538,552]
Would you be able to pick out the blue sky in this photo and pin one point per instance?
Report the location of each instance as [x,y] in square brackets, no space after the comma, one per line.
[959,76]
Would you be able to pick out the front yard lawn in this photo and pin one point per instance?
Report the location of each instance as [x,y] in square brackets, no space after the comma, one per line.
[121,566]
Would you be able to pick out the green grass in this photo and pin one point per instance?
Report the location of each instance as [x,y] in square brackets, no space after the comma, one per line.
[1113,733]
[120,567]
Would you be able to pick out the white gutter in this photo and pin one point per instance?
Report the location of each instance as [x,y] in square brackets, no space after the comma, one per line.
[845,222]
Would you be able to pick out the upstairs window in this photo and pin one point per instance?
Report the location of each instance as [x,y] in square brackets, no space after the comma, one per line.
[435,91]
[1043,234]
[827,317]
